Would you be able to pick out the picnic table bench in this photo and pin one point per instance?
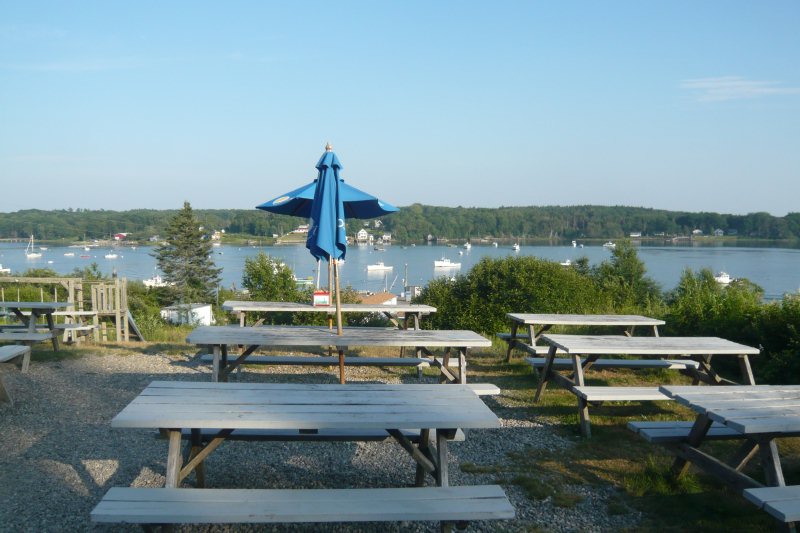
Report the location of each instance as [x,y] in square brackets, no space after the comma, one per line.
[29,335]
[689,355]
[537,324]
[452,369]
[756,415]
[399,314]
[11,354]
[175,407]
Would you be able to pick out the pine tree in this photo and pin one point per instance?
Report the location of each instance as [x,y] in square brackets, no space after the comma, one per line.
[185,259]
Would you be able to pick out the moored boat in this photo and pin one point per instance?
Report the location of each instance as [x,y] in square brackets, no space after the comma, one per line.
[609,244]
[723,278]
[445,262]
[515,247]
[378,267]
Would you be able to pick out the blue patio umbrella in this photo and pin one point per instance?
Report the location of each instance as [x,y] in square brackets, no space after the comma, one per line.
[328,201]
[357,203]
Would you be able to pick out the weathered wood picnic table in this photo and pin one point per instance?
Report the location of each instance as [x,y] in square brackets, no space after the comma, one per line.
[409,312]
[689,355]
[29,313]
[757,416]
[540,323]
[345,412]
[218,338]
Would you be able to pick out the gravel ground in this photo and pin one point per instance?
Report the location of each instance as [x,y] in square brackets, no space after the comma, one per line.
[60,455]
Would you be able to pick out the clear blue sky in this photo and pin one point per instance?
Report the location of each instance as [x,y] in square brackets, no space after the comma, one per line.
[682,105]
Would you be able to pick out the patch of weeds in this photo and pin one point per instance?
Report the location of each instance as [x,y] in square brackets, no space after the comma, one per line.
[537,489]
[656,478]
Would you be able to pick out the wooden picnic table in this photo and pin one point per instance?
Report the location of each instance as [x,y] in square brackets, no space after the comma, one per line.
[302,410]
[413,312]
[29,313]
[539,323]
[690,355]
[218,338]
[757,414]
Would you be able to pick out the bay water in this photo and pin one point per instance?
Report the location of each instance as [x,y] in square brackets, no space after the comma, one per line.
[777,270]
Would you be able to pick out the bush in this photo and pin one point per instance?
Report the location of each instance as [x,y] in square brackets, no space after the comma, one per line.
[480,300]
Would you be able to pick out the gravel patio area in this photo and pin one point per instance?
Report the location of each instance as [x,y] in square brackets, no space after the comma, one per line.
[60,454]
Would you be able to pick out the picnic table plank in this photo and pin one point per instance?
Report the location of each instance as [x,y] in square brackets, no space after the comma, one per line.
[557,319]
[657,346]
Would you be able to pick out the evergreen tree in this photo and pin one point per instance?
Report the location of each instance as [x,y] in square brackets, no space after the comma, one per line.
[185,259]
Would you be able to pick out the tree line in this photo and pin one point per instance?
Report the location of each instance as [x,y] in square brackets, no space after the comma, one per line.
[414,223]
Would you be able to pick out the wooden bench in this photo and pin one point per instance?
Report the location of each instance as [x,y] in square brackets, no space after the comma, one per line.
[12,354]
[162,506]
[597,395]
[322,435]
[326,361]
[783,503]
[666,432]
[29,339]
[666,364]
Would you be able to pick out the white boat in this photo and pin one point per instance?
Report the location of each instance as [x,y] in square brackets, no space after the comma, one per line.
[467,246]
[723,278]
[574,244]
[69,254]
[155,281]
[85,248]
[30,251]
[494,244]
[609,244]
[515,247]
[111,255]
[43,248]
[4,270]
[445,262]
[566,263]
[378,267]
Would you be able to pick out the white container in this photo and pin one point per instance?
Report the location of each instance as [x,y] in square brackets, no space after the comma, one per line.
[194,314]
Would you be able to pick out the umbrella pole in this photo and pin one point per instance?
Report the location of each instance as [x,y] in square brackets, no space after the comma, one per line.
[339,320]
[318,273]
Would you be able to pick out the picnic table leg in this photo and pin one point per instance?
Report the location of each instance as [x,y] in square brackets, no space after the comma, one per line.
[746,451]
[696,435]
[242,319]
[655,331]
[52,327]
[462,366]
[548,367]
[174,459]
[196,446]
[511,341]
[341,366]
[425,448]
[771,463]
[747,372]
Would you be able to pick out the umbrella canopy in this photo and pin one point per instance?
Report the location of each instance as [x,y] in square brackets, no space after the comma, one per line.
[357,203]
[326,235]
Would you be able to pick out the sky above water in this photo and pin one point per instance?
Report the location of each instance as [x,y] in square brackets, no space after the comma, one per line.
[680,105]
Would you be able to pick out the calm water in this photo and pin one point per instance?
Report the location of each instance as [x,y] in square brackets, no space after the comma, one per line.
[777,270]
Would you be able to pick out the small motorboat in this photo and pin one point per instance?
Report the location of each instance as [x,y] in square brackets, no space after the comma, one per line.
[379,267]
[609,245]
[566,263]
[723,278]
[111,255]
[515,247]
[467,246]
[4,270]
[445,262]
[574,244]
[69,254]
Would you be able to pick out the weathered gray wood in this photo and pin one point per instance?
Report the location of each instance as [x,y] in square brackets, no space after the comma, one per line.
[583,320]
[327,361]
[620,394]
[266,406]
[294,307]
[656,346]
[667,364]
[781,502]
[663,432]
[214,506]
[322,435]
[13,351]
[321,336]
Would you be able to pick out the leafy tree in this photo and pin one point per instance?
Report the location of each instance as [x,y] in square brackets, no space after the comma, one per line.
[624,279]
[185,259]
[268,279]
